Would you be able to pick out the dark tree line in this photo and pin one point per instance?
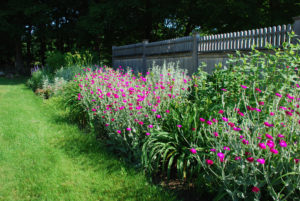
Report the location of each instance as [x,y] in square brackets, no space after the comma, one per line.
[31,28]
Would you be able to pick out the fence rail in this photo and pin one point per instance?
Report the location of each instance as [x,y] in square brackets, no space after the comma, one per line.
[243,40]
[187,52]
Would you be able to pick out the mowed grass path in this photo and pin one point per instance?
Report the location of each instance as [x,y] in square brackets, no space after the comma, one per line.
[43,157]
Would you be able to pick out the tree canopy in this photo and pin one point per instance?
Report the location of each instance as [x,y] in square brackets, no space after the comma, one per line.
[31,28]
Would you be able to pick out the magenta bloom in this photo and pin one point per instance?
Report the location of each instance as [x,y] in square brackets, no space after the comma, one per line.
[269,136]
[282,143]
[244,141]
[240,113]
[272,113]
[261,103]
[250,159]
[290,97]
[209,122]
[243,86]
[224,119]
[274,151]
[202,120]
[268,124]
[227,148]
[221,112]
[158,116]
[296,160]
[150,126]
[213,150]
[167,111]
[237,158]
[255,189]
[224,89]
[261,160]
[221,155]
[237,129]
[257,89]
[270,143]
[280,135]
[129,129]
[118,131]
[193,150]
[141,123]
[147,133]
[279,95]
[216,134]
[262,145]
[179,126]
[209,162]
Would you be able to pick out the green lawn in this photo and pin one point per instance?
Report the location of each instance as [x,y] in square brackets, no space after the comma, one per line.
[43,157]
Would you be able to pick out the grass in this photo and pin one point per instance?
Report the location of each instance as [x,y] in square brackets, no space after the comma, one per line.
[43,157]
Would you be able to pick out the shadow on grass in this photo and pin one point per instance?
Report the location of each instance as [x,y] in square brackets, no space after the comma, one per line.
[99,156]
[13,81]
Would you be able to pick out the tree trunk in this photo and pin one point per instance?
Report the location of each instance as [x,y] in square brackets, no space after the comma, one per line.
[19,65]
[28,50]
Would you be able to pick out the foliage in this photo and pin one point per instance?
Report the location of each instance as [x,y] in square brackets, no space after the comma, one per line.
[243,120]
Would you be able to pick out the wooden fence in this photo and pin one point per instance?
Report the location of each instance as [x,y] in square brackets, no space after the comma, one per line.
[188,51]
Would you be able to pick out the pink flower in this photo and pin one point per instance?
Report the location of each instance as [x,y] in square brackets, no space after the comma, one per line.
[257,89]
[129,129]
[262,145]
[237,158]
[221,155]
[274,151]
[236,129]
[268,124]
[214,120]
[179,126]
[112,119]
[282,143]
[193,129]
[193,150]
[221,112]
[141,123]
[270,144]
[255,189]
[202,120]
[290,97]
[224,89]
[245,141]
[147,133]
[224,119]
[272,113]
[280,135]
[261,103]
[209,162]
[213,150]
[226,148]
[231,124]
[118,131]
[240,113]
[106,125]
[150,126]
[261,160]
[243,86]
[288,113]
[269,136]
[158,116]
[250,159]
[296,160]
[209,122]
[216,134]
[279,95]
[167,111]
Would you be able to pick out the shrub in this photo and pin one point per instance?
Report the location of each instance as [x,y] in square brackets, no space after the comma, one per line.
[216,138]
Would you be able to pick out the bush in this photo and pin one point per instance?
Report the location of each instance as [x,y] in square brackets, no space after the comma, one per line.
[238,134]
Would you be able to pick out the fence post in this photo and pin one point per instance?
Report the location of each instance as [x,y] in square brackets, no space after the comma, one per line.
[144,58]
[296,27]
[195,52]
[113,56]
